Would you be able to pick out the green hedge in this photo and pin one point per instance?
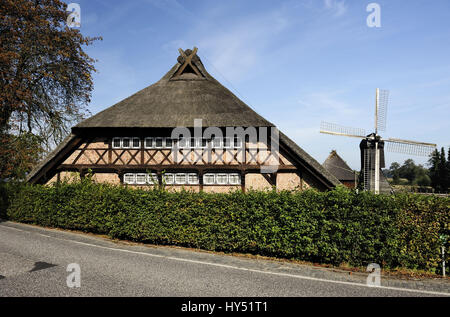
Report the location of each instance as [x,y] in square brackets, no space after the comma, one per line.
[333,227]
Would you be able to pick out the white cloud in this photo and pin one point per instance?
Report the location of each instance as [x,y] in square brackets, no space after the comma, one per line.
[237,49]
[338,7]
[329,104]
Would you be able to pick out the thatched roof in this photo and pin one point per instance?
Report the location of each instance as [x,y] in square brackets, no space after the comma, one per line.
[338,167]
[175,101]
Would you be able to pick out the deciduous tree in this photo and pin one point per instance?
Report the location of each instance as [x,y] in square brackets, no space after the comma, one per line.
[45,76]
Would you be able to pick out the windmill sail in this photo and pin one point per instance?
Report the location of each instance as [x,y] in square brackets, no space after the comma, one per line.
[381,112]
[336,129]
[410,147]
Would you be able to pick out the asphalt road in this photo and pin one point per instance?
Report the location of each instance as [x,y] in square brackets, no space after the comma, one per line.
[34,261]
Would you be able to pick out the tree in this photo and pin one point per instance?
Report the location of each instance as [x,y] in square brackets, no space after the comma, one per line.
[443,171]
[19,154]
[45,76]
[408,170]
[415,174]
[394,172]
[439,171]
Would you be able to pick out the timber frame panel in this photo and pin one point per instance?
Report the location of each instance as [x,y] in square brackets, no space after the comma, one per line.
[83,153]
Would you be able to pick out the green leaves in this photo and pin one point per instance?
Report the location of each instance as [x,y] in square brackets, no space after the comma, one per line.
[332,227]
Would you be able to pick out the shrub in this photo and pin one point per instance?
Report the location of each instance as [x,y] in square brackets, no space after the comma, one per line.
[334,227]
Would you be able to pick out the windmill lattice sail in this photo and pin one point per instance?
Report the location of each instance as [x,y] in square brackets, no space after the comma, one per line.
[409,147]
[336,129]
[383,97]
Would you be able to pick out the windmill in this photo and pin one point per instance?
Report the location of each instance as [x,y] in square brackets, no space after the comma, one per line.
[372,145]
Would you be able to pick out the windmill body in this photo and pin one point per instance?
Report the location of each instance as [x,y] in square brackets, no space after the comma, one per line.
[368,149]
[372,146]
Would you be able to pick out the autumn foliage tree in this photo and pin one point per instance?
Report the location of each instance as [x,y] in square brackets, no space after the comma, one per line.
[45,76]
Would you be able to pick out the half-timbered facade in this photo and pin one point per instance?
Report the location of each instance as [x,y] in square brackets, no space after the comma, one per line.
[185,131]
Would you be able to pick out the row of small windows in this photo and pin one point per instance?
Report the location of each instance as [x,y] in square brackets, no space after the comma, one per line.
[183,179]
[184,143]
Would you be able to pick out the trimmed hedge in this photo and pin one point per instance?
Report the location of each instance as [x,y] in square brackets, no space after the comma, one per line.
[333,227]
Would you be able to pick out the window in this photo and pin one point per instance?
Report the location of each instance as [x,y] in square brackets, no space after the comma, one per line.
[149,143]
[202,143]
[237,142]
[192,143]
[180,178]
[168,142]
[126,143]
[227,143]
[168,178]
[159,143]
[222,179]
[116,143]
[136,144]
[129,178]
[234,179]
[141,179]
[193,178]
[209,179]
[216,143]
[183,143]
[152,179]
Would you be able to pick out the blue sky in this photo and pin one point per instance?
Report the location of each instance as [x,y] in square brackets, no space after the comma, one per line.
[296,63]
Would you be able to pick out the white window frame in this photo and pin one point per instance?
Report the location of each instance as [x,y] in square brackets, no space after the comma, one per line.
[235,143]
[120,143]
[200,145]
[167,175]
[163,143]
[185,179]
[153,143]
[130,144]
[230,143]
[180,144]
[219,175]
[196,177]
[152,179]
[232,175]
[141,175]
[195,143]
[128,175]
[209,174]
[220,144]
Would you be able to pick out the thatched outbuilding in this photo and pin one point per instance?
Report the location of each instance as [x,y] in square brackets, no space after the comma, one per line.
[340,169]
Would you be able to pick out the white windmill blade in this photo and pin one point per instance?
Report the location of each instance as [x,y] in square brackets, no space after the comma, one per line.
[335,129]
[409,147]
[381,109]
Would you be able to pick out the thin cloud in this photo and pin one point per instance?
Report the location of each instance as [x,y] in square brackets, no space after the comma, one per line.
[338,7]
[234,51]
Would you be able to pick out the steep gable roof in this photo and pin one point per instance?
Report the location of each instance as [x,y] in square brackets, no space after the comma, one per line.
[338,167]
[176,100]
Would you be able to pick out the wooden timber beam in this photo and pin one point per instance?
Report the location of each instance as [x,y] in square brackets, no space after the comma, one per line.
[50,168]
